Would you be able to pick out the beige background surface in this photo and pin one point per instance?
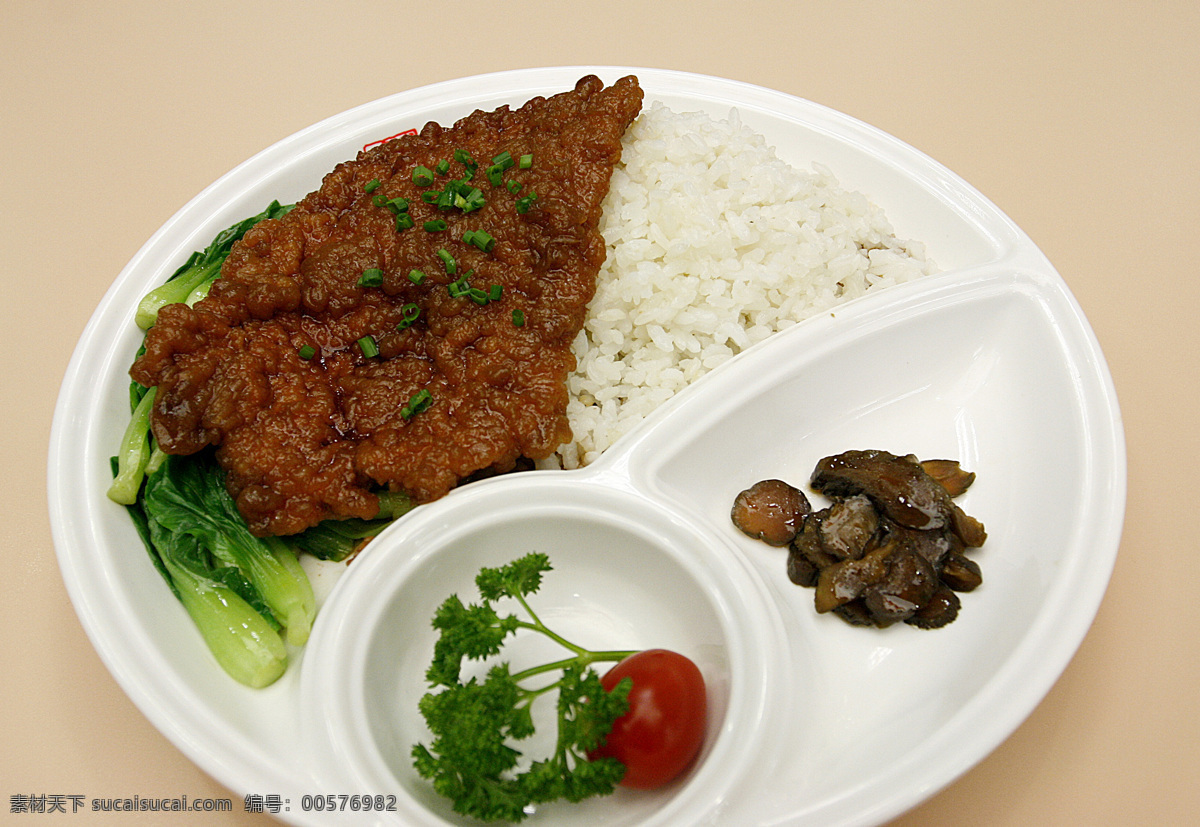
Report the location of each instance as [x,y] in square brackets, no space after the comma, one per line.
[1081,121]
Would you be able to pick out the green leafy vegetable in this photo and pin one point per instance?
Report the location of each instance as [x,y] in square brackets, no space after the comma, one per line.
[335,540]
[240,590]
[229,610]
[471,759]
[241,639]
[190,282]
[187,496]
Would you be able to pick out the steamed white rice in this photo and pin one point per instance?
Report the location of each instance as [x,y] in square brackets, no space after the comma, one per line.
[713,244]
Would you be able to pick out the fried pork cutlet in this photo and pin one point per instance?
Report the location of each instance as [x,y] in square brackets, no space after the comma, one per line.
[407,325]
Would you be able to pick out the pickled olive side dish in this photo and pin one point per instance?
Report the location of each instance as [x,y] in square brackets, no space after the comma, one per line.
[892,545]
[771,511]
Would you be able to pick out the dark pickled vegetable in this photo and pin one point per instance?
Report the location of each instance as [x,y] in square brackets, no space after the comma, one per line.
[848,579]
[950,474]
[772,511]
[967,528]
[800,570]
[891,547]
[941,609]
[908,585]
[961,573]
[808,543]
[898,486]
[934,546]
[855,613]
[849,527]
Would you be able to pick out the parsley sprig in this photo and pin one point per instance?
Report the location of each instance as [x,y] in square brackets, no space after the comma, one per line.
[471,759]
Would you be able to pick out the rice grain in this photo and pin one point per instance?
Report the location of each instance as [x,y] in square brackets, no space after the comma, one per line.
[713,244]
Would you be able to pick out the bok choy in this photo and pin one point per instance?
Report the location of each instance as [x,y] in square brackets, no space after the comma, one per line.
[190,282]
[248,596]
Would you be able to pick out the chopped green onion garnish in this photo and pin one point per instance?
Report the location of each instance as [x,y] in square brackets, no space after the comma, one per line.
[476,295]
[514,187]
[494,292]
[464,158]
[526,162]
[379,200]
[398,205]
[443,166]
[416,276]
[430,196]
[481,239]
[518,317]
[504,160]
[422,176]
[307,352]
[372,185]
[371,278]
[418,402]
[404,221]
[368,347]
[473,200]
[411,312]
[435,226]
[459,287]
[448,261]
[525,203]
[495,174]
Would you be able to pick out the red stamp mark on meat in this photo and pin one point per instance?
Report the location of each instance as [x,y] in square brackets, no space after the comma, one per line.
[389,138]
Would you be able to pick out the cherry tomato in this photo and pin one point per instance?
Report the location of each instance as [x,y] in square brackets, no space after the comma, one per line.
[664,727]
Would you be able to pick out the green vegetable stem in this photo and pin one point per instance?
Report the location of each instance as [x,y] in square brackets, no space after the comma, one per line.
[186,505]
[242,640]
[228,609]
[470,759]
[134,456]
[190,282]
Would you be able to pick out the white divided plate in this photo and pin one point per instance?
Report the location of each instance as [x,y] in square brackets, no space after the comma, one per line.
[991,362]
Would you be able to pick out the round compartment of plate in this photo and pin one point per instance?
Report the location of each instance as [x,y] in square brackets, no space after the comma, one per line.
[627,574]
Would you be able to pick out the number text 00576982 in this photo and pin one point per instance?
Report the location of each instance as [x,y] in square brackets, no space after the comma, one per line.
[353,803]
